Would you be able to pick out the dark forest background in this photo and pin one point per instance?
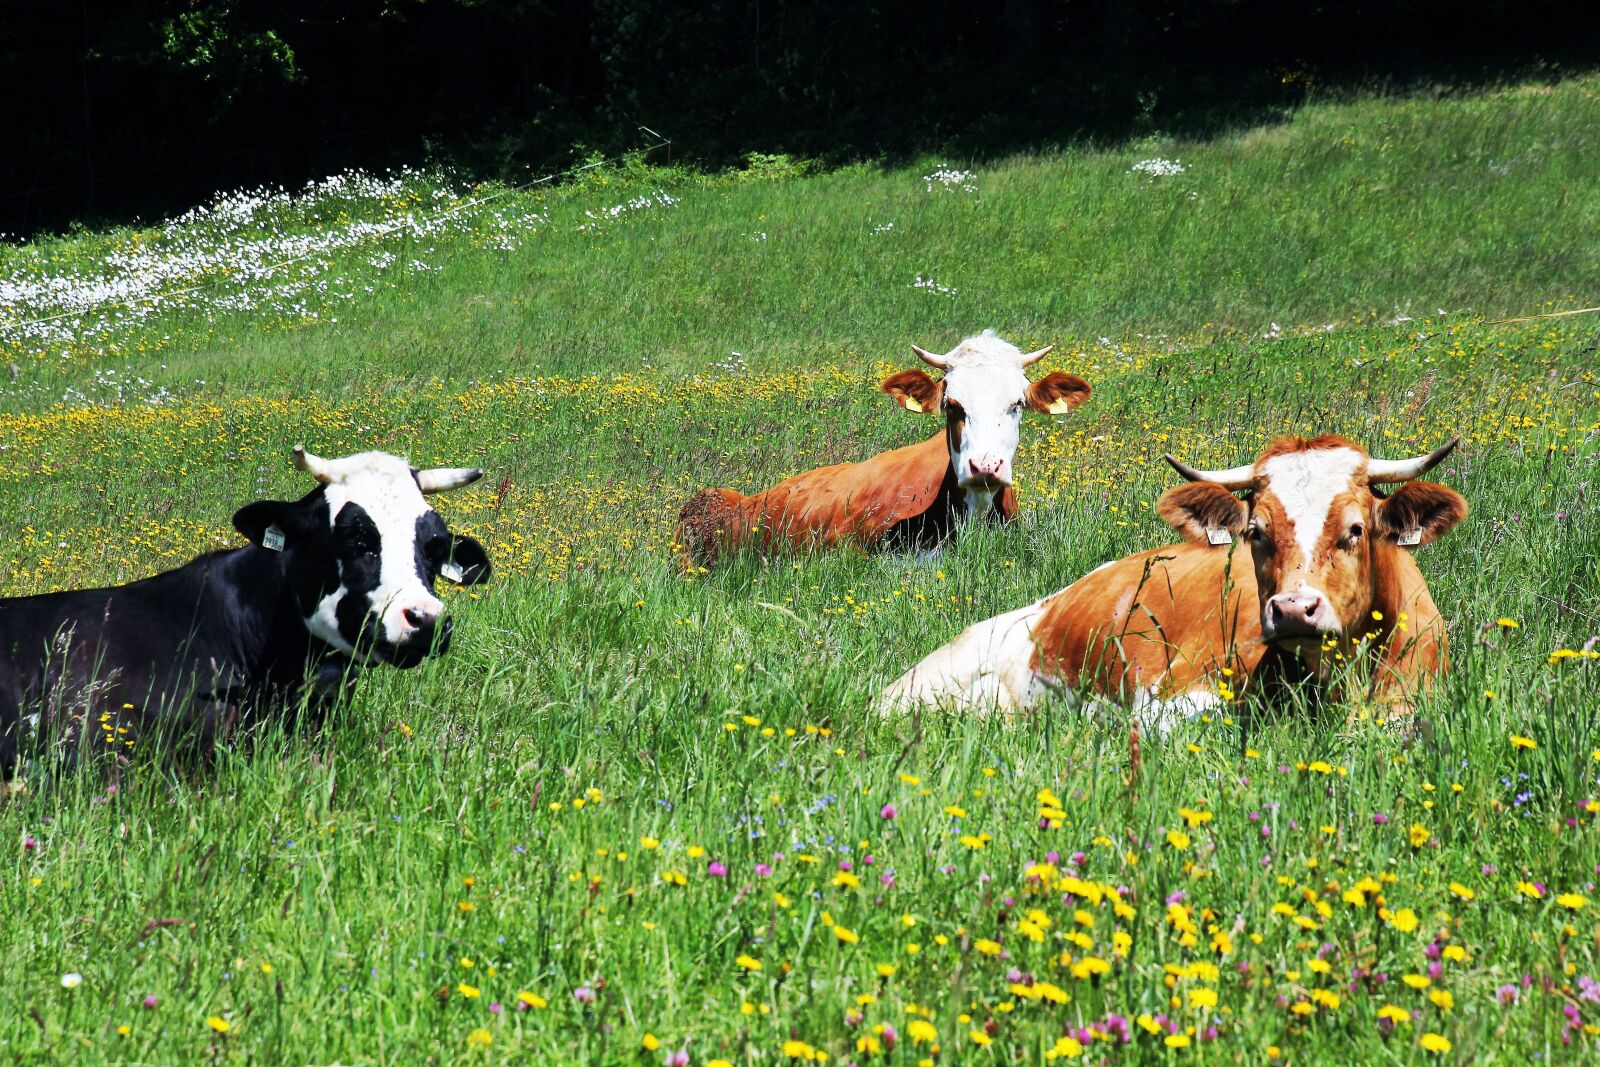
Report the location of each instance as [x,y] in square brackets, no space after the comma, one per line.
[111,109]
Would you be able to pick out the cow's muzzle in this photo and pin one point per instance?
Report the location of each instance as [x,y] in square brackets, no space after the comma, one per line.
[985,473]
[1304,615]
[429,639]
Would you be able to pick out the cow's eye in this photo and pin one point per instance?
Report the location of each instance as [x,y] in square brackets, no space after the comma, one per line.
[1353,538]
[1016,408]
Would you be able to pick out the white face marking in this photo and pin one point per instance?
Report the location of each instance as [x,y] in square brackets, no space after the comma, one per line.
[979,502]
[986,379]
[1305,483]
[382,486]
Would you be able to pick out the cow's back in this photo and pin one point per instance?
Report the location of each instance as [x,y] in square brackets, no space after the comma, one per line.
[136,653]
[858,502]
[52,665]
[1161,622]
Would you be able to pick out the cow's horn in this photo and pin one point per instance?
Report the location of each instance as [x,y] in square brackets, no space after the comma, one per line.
[444,479]
[937,362]
[1033,357]
[1403,470]
[1232,478]
[315,466]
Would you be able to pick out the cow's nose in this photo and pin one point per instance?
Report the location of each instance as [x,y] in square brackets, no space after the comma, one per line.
[985,468]
[1297,614]
[420,618]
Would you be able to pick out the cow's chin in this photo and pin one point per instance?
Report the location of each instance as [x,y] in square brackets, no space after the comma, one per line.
[403,654]
[1305,645]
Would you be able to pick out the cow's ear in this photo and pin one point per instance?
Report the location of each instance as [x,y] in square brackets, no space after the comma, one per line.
[468,563]
[290,518]
[1198,508]
[915,390]
[1057,393]
[1419,513]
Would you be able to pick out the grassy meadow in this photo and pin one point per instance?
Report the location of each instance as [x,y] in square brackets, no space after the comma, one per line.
[637,817]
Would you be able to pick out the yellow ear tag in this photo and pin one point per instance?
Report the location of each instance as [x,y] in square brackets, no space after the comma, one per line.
[1060,406]
[910,403]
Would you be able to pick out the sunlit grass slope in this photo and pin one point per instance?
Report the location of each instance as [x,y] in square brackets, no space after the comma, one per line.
[633,817]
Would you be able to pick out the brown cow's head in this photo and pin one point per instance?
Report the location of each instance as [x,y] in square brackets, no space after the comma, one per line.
[981,396]
[1314,522]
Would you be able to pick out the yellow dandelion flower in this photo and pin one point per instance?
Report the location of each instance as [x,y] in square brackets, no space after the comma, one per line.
[1069,1047]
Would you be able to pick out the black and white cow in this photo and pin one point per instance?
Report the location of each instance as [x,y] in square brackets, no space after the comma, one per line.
[341,578]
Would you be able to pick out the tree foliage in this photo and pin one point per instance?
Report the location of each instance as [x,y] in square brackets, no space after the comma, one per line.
[143,105]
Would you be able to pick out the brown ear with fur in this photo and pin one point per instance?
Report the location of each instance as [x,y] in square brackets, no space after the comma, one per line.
[1419,513]
[915,390]
[1197,507]
[1057,393]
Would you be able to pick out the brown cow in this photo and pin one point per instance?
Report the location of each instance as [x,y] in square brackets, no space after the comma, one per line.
[1327,589]
[911,496]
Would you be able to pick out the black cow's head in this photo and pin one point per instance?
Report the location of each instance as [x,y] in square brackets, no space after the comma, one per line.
[363,551]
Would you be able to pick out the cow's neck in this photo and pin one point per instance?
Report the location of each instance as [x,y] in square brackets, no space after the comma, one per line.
[256,601]
[1321,674]
[1280,670]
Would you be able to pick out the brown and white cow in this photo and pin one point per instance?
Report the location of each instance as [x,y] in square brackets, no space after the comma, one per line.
[913,495]
[1324,587]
